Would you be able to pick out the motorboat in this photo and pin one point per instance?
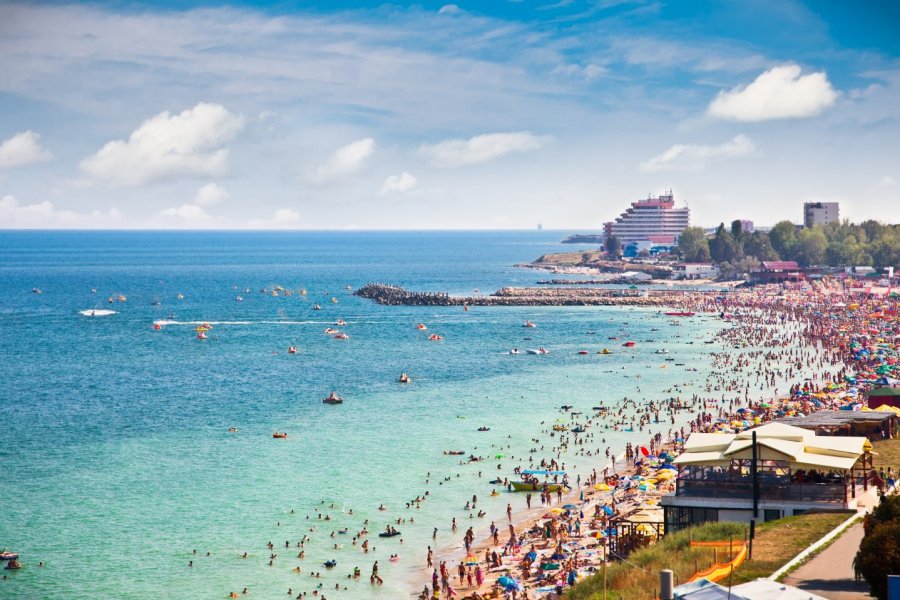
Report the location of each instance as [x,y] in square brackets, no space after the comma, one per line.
[421,327]
[484,429]
[515,351]
[628,344]
[341,336]
[435,337]
[528,324]
[333,398]
[538,351]
[531,483]
[316,307]
[340,322]
[201,336]
[583,352]
[8,555]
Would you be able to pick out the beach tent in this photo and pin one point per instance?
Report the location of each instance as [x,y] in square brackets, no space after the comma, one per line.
[765,589]
[704,589]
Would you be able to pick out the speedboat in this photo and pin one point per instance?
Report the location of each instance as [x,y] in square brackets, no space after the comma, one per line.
[628,344]
[528,324]
[421,327]
[538,351]
[515,351]
[435,337]
[8,556]
[341,336]
[583,352]
[333,398]
[340,322]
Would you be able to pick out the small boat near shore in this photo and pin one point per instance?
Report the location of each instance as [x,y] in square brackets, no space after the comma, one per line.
[538,351]
[679,313]
[333,398]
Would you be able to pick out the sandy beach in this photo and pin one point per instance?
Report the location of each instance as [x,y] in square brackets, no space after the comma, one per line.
[773,355]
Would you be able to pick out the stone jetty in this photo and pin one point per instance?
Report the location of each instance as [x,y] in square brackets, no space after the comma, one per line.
[513,296]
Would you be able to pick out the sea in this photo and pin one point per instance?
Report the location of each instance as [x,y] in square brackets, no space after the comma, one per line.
[117,466]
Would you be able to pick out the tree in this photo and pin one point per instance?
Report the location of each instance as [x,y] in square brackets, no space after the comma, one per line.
[783,238]
[879,556]
[723,247]
[737,231]
[810,246]
[693,245]
[757,244]
[613,246]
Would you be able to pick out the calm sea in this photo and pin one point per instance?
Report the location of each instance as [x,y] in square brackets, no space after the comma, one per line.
[115,458]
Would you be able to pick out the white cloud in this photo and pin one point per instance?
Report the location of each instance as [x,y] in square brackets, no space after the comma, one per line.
[188,212]
[44,215]
[481,148]
[449,9]
[779,93]
[189,144]
[887,180]
[587,72]
[210,195]
[22,149]
[402,183]
[690,157]
[345,161]
[284,218]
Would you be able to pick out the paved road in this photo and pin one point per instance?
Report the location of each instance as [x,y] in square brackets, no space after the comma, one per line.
[830,573]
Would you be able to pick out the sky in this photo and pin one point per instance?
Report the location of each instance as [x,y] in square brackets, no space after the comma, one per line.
[500,114]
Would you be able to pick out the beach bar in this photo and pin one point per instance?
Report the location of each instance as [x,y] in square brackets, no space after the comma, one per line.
[796,471]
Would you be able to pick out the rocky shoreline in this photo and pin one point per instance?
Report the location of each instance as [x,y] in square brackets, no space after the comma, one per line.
[393,295]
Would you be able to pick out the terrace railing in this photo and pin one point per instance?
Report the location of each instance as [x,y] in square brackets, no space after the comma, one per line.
[827,493]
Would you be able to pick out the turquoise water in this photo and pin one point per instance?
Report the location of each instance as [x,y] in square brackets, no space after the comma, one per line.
[115,458]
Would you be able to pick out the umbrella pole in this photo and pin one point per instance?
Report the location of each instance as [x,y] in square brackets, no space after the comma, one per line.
[605,559]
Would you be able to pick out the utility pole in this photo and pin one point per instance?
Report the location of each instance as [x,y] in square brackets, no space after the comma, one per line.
[754,478]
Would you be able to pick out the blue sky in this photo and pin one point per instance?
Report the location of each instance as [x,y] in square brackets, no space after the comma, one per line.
[489,115]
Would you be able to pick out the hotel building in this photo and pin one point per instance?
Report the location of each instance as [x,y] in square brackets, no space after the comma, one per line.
[655,219]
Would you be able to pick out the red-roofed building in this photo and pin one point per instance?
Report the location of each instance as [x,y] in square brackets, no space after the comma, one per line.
[777,271]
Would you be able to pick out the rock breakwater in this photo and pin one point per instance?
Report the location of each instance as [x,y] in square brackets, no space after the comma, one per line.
[511,296]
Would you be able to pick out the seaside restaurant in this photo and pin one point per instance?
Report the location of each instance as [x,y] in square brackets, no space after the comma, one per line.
[796,470]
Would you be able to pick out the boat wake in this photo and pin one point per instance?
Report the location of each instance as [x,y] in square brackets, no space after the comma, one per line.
[171,322]
[98,312]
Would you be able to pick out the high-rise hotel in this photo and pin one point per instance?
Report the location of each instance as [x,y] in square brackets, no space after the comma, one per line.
[655,219]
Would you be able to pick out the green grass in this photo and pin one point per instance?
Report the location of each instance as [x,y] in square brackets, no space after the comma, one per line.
[776,543]
[888,454]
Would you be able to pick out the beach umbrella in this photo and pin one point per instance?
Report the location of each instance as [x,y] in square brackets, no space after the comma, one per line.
[597,534]
[551,567]
[471,560]
[506,581]
[557,511]
[602,487]
[570,506]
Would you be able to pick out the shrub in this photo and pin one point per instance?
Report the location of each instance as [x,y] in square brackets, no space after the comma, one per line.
[879,556]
